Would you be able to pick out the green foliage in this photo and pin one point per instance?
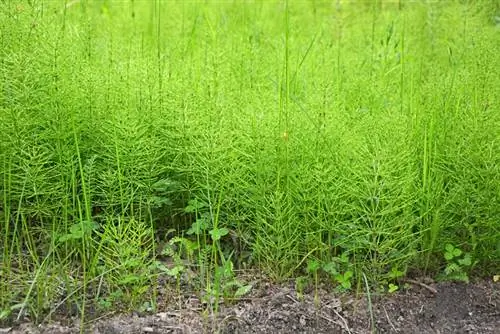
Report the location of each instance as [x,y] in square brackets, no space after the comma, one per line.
[301,282]
[226,285]
[218,233]
[339,269]
[124,261]
[393,288]
[451,252]
[458,264]
[313,266]
[216,277]
[269,138]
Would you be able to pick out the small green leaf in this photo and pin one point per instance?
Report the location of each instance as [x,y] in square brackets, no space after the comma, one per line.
[132,263]
[313,266]
[451,268]
[189,209]
[243,290]
[176,240]
[449,248]
[218,233]
[339,278]
[395,273]
[344,258]
[458,276]
[448,256]
[78,230]
[198,227]
[393,288]
[167,251]
[231,284]
[163,185]
[146,307]
[190,246]
[104,303]
[330,268]
[466,261]
[193,206]
[129,279]
[117,294]
[346,285]
[457,252]
[158,201]
[175,271]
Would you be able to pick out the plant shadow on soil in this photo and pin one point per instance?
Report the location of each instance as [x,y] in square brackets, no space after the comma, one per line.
[271,308]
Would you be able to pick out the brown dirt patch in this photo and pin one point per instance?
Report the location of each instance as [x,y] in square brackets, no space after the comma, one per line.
[456,308]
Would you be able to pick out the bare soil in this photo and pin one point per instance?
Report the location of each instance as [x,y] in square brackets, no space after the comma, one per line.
[270,308]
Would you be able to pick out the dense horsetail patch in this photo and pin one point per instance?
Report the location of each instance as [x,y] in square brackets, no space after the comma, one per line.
[332,140]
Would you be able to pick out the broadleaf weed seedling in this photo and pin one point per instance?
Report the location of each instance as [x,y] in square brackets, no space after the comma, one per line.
[393,276]
[458,264]
[215,276]
[225,285]
[176,249]
[339,268]
[392,288]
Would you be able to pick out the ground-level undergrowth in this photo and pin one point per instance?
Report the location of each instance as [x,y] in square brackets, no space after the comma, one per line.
[453,308]
[340,142]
